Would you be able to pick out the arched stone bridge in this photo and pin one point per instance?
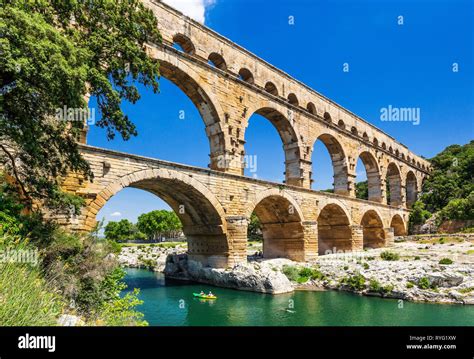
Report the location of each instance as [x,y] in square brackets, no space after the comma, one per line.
[228,84]
[215,209]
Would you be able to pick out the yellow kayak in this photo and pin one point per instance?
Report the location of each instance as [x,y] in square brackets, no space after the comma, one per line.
[204,296]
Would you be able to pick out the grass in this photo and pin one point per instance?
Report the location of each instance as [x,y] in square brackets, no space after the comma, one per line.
[441,240]
[466,290]
[26,299]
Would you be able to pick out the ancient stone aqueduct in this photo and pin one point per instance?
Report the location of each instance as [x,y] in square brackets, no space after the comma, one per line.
[228,84]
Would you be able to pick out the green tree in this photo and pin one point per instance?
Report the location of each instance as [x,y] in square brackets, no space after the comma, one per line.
[254,230]
[418,214]
[122,230]
[53,53]
[362,190]
[452,177]
[156,224]
[459,208]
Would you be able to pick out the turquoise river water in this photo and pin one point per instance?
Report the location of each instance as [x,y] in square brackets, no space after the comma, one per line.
[169,303]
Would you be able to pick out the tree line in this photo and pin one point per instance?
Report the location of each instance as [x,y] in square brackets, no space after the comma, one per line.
[449,190]
[154,225]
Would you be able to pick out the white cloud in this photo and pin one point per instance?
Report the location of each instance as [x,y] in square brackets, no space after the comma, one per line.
[116,214]
[195,9]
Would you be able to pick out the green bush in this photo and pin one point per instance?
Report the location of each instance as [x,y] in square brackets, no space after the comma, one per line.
[410,285]
[446,261]
[303,274]
[355,282]
[389,256]
[122,311]
[424,283]
[374,285]
[291,272]
[418,214]
[149,263]
[387,289]
[459,208]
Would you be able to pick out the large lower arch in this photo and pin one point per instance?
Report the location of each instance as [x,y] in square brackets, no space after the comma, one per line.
[394,182]
[201,214]
[373,230]
[373,176]
[339,163]
[290,142]
[334,231]
[180,74]
[398,225]
[282,225]
[411,189]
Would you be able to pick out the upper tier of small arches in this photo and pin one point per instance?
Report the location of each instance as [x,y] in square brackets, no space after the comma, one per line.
[303,101]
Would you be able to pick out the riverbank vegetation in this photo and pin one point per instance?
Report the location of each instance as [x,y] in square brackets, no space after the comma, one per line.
[57,273]
[54,55]
[448,193]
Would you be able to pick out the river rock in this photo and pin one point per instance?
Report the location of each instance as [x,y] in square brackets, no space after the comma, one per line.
[255,277]
[444,279]
[68,320]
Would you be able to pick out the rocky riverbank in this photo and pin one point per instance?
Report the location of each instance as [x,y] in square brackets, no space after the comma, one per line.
[435,269]
[150,256]
[256,276]
[429,269]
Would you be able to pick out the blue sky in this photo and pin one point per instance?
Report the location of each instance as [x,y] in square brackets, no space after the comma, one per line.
[409,65]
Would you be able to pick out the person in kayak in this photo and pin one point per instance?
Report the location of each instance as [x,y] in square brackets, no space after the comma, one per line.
[210,294]
[202,293]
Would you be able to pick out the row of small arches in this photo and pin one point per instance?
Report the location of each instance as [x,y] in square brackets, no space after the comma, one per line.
[183,43]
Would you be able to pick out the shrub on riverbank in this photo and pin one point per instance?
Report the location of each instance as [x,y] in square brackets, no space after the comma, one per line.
[303,274]
[446,261]
[356,282]
[389,256]
[376,287]
[424,283]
